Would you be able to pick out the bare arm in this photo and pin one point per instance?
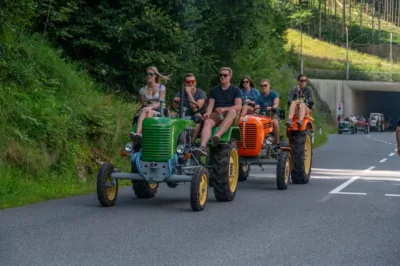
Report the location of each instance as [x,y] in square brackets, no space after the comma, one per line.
[142,99]
[210,106]
[276,103]
[157,105]
[199,102]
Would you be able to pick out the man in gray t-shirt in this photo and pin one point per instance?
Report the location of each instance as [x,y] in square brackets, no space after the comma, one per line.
[192,95]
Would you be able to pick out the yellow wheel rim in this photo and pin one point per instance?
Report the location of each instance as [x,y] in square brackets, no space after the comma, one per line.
[233,170]
[153,185]
[203,188]
[111,189]
[287,171]
[307,154]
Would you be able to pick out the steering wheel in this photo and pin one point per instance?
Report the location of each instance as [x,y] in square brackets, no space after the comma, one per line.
[272,111]
[184,100]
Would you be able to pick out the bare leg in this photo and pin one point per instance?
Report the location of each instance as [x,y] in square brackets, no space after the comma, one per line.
[292,110]
[302,111]
[206,132]
[142,116]
[196,130]
[230,116]
[276,131]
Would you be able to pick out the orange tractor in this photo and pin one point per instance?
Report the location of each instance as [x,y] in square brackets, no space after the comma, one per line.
[256,147]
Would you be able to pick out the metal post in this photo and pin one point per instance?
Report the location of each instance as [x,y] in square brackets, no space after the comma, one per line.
[391,57]
[347,54]
[301,50]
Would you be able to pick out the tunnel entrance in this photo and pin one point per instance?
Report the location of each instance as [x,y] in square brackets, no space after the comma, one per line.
[385,102]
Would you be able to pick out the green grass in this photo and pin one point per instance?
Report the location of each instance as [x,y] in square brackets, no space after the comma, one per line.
[56,125]
[322,55]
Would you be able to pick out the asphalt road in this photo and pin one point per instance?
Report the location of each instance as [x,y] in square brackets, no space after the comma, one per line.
[322,223]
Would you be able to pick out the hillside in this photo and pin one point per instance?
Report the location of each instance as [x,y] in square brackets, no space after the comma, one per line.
[56,125]
[325,56]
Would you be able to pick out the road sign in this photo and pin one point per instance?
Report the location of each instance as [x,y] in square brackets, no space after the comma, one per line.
[339,109]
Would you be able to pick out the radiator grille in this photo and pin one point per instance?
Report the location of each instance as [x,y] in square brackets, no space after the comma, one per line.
[249,137]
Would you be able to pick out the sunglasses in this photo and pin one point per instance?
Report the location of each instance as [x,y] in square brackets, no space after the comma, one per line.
[246,81]
[303,80]
[150,74]
[223,75]
[190,81]
[264,86]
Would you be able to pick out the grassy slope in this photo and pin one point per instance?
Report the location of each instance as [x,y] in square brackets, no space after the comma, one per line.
[322,55]
[56,125]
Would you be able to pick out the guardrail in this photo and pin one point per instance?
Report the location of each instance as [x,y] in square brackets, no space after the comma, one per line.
[353,75]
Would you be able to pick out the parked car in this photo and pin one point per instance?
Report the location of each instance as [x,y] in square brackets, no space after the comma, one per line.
[377,122]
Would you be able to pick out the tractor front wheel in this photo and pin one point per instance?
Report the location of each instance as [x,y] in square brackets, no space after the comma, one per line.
[107,188]
[143,189]
[283,170]
[199,189]
[225,172]
[244,170]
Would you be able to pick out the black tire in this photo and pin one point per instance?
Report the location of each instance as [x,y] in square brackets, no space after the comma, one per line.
[143,189]
[283,170]
[299,139]
[244,171]
[225,175]
[199,189]
[106,194]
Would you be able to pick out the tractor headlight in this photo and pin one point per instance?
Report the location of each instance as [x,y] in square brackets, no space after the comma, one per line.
[129,147]
[180,148]
[270,140]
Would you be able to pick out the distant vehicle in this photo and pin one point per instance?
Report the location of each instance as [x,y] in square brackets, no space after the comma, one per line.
[377,122]
[347,126]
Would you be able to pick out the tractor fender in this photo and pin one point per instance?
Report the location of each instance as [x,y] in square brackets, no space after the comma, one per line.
[291,156]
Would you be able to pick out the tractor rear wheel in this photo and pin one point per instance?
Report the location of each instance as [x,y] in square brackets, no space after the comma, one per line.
[225,172]
[301,145]
[283,170]
[244,171]
[107,188]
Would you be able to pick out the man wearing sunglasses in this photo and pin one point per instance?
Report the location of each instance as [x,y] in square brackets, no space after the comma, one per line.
[194,95]
[264,103]
[223,110]
[300,100]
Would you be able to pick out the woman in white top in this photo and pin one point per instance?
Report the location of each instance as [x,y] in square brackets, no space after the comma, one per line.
[150,96]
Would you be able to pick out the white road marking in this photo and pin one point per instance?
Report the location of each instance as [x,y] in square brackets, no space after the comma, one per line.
[369,169]
[345,184]
[392,195]
[391,154]
[383,160]
[380,140]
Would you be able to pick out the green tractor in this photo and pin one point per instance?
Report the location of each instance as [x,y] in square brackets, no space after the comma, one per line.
[164,155]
